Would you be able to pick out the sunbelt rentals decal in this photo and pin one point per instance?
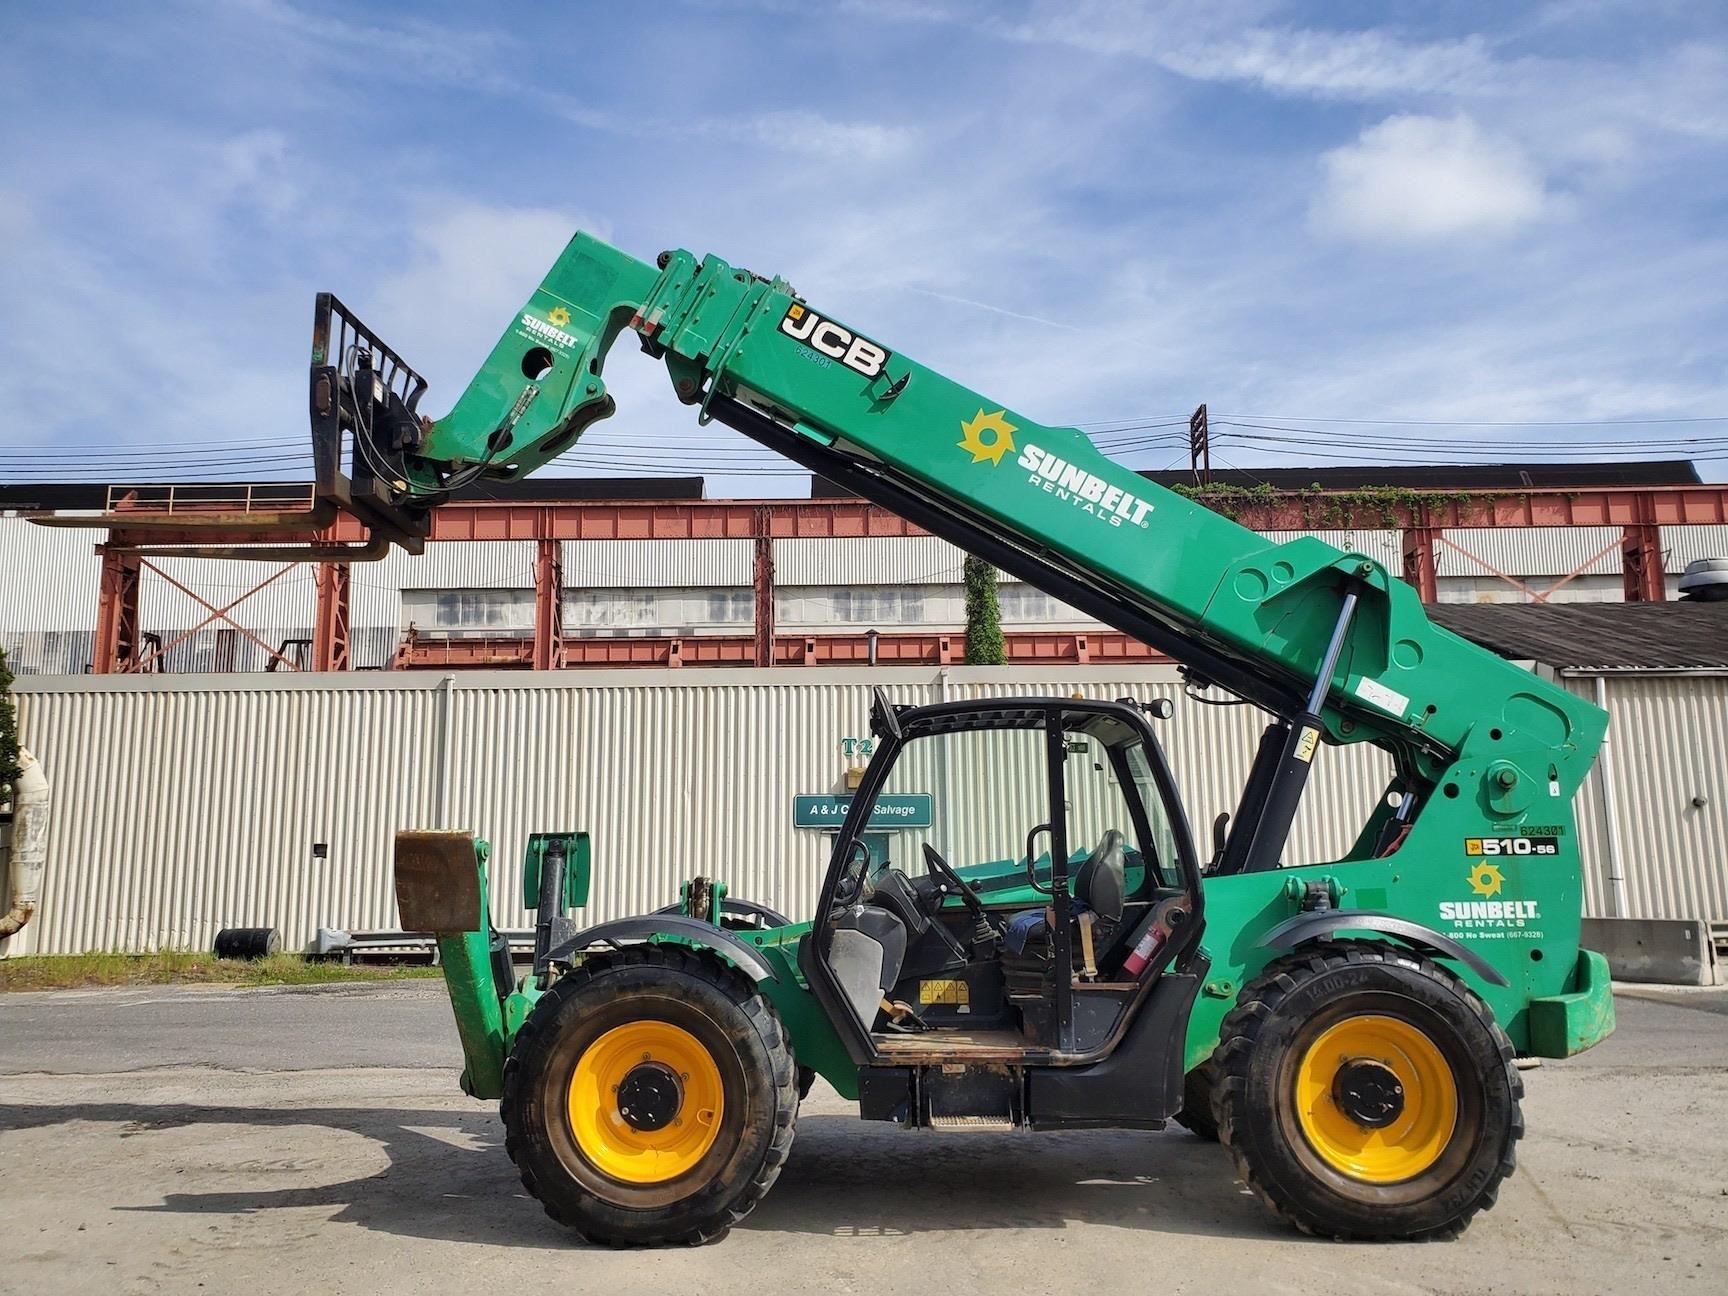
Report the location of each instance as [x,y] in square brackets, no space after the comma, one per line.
[988,437]
[1489,915]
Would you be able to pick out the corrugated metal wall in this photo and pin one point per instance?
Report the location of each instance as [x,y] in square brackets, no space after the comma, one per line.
[50,577]
[1538,551]
[183,806]
[186,805]
[610,564]
[1668,744]
[1684,544]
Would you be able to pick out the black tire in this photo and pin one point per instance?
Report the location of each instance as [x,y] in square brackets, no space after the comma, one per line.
[720,1010]
[1199,1114]
[1278,1019]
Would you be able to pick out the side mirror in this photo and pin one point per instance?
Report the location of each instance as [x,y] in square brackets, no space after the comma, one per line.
[884,720]
[578,865]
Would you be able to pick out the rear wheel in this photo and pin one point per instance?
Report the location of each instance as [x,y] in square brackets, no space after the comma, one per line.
[1367,1094]
[650,1098]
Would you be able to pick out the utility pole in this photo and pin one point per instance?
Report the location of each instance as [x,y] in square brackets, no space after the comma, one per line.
[1200,447]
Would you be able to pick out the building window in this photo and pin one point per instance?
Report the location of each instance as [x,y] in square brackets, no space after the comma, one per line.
[453,611]
[657,611]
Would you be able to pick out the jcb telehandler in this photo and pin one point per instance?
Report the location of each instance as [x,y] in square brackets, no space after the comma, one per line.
[1052,951]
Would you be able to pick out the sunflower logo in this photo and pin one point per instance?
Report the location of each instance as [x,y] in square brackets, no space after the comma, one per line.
[1000,442]
[558,317]
[1486,879]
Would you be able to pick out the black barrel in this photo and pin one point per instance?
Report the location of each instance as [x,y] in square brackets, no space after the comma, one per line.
[247,942]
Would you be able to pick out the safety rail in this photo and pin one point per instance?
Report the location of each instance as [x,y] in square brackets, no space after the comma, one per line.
[178,499]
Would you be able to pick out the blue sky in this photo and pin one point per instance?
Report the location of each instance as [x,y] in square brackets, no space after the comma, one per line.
[1476,213]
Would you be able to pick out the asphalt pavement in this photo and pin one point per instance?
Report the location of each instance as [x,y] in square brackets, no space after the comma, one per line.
[167,1140]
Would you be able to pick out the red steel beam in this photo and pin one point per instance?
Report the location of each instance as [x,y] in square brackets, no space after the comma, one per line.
[548,605]
[1642,575]
[330,622]
[915,648]
[820,519]
[115,650]
[762,584]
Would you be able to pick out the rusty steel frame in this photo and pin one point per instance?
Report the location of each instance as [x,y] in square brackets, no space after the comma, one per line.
[1640,512]
[216,614]
[548,653]
[1535,595]
[331,624]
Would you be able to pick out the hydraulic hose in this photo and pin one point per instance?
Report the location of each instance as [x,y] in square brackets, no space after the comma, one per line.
[29,843]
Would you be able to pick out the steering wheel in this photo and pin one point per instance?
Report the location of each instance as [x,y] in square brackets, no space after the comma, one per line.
[953,881]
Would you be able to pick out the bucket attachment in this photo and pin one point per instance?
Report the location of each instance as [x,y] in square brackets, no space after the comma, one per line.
[441,888]
[438,882]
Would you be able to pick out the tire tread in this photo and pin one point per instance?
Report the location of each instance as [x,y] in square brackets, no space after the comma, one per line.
[735,986]
[1257,1005]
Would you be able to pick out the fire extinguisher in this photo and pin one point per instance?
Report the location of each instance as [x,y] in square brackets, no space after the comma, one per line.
[1167,916]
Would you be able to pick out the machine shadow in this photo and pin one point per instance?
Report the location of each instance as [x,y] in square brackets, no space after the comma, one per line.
[448,1178]
[852,1178]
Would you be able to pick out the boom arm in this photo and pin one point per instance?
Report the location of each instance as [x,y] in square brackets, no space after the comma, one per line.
[1042,502]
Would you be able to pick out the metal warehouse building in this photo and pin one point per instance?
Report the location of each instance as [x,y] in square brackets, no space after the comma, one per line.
[205,792]
[819,594]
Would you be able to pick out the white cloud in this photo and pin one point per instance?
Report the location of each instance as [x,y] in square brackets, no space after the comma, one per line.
[1341,65]
[1227,42]
[814,135]
[471,268]
[1415,179]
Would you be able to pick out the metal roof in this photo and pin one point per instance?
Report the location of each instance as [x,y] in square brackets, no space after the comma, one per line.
[1506,476]
[29,496]
[1681,635]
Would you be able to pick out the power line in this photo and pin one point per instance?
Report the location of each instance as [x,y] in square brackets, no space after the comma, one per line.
[1612,422]
[1360,438]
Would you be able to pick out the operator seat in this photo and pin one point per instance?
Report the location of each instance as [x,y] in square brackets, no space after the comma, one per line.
[1100,888]
[867,949]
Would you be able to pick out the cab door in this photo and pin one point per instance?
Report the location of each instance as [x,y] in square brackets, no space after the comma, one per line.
[977,787]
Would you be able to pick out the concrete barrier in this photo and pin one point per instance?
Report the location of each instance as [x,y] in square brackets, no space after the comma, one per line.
[1668,951]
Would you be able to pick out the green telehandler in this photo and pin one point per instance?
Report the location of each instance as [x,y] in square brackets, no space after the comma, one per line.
[1048,948]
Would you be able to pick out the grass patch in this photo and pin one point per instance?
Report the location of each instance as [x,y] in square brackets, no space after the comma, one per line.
[174,967]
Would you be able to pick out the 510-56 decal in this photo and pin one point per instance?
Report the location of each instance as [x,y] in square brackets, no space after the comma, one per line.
[1496,846]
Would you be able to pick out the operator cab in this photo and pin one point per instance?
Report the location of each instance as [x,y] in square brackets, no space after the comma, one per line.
[1012,879]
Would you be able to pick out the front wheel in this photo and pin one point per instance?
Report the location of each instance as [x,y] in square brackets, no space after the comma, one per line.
[650,1098]
[1367,1094]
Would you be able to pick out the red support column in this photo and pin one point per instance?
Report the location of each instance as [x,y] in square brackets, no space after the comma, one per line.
[763,537]
[1420,570]
[330,626]
[1643,579]
[115,650]
[549,605]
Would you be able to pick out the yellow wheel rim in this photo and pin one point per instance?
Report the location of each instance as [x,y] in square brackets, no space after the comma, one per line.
[1376,1099]
[645,1102]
